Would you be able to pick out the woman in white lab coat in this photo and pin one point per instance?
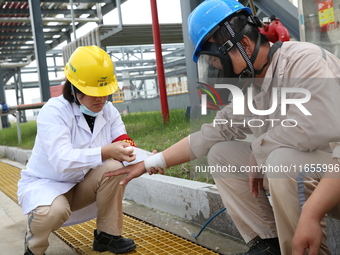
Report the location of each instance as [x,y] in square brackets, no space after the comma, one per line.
[80,136]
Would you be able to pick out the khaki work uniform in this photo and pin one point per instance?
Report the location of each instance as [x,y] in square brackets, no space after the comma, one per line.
[289,143]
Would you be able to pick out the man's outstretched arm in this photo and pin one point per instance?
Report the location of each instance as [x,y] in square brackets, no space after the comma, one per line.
[176,154]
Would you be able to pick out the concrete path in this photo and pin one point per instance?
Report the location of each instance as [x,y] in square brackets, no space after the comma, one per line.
[13,227]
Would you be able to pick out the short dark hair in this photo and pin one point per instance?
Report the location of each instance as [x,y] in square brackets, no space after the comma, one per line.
[238,22]
[68,94]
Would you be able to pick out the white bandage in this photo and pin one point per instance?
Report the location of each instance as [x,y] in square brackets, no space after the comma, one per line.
[156,161]
[131,147]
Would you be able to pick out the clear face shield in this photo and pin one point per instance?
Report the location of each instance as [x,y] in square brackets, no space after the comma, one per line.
[215,68]
[210,69]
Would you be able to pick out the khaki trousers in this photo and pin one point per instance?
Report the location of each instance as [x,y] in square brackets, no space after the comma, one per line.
[288,191]
[106,192]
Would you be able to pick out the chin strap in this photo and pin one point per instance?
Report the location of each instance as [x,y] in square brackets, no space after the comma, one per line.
[75,96]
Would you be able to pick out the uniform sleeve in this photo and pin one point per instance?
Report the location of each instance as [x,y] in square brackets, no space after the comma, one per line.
[119,134]
[220,130]
[118,130]
[311,132]
[336,149]
[125,138]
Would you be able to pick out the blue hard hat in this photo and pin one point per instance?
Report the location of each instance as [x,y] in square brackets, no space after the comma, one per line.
[207,16]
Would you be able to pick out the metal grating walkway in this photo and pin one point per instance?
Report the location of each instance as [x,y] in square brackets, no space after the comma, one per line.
[149,239]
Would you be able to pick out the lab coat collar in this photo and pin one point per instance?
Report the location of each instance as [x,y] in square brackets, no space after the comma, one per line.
[98,125]
[81,121]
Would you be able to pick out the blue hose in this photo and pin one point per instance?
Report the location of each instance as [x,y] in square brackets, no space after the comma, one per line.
[206,224]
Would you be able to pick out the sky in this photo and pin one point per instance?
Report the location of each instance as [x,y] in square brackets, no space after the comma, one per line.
[139,11]
[133,12]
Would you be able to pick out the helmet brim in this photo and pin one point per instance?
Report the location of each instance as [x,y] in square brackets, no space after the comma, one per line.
[99,91]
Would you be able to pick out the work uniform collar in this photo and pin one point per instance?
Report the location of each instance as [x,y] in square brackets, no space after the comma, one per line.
[266,84]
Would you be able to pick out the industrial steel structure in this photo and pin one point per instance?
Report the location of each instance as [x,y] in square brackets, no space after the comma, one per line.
[33,30]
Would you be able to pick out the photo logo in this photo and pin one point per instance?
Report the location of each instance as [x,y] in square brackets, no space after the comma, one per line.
[213,94]
[239,104]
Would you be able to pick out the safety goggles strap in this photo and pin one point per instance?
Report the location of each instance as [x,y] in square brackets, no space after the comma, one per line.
[235,38]
[240,48]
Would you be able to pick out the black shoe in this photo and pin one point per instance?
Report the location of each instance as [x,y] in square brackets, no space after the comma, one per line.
[115,244]
[28,251]
[263,247]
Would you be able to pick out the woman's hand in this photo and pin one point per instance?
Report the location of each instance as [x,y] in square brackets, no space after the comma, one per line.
[120,151]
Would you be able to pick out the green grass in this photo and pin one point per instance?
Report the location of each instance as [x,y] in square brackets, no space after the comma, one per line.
[145,128]
[149,133]
[9,136]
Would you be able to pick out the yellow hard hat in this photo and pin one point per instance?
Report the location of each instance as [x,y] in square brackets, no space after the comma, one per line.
[90,69]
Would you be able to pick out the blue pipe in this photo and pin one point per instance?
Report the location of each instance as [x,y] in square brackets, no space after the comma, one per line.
[206,224]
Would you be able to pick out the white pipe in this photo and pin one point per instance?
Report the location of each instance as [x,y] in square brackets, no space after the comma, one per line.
[10,65]
[73,22]
[119,14]
[16,64]
[99,12]
[18,127]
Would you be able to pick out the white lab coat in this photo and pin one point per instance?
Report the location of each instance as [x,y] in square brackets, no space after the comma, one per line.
[64,151]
